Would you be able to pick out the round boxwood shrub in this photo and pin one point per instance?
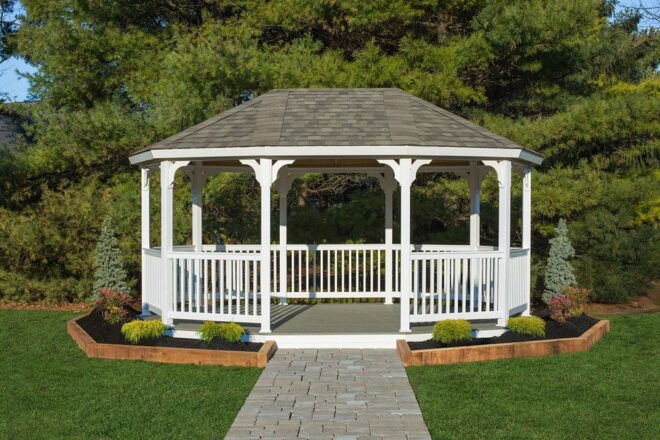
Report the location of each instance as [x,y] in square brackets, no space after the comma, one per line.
[227,331]
[527,325]
[452,330]
[136,331]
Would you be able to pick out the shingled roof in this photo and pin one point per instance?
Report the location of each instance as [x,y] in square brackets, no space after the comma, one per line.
[335,117]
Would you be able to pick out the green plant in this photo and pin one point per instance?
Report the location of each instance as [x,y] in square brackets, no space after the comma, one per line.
[209,330]
[452,330]
[527,325]
[109,272]
[560,308]
[136,331]
[559,273]
[113,305]
[227,331]
[579,296]
[231,332]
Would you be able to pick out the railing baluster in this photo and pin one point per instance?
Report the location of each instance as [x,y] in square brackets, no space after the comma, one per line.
[300,271]
[350,270]
[213,285]
[206,286]
[315,271]
[307,270]
[431,287]
[223,271]
[423,293]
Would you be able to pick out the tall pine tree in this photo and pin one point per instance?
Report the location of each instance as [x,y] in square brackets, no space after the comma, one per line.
[109,272]
[559,273]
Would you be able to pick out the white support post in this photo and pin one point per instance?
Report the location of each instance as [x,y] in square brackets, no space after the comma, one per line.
[197,186]
[266,173]
[503,169]
[167,171]
[283,184]
[146,221]
[405,172]
[166,232]
[266,180]
[527,231]
[405,182]
[474,184]
[389,186]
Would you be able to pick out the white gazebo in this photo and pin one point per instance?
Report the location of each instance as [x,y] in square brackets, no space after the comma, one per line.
[385,133]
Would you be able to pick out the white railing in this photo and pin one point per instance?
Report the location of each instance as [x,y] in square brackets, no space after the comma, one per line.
[454,285]
[153,282]
[223,281]
[519,288]
[335,271]
[216,286]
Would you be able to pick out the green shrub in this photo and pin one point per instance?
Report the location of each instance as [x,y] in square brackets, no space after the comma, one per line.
[452,330]
[527,325]
[227,331]
[559,271]
[231,332]
[136,331]
[109,272]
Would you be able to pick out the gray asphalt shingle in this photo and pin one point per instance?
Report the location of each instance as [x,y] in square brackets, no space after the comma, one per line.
[326,117]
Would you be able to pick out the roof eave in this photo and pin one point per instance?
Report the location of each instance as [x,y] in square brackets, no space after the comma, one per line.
[339,151]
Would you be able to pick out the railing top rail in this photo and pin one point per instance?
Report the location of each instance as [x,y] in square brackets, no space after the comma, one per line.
[453,255]
[519,252]
[152,252]
[234,256]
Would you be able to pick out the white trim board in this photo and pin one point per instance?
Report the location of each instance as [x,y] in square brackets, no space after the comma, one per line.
[336,152]
[364,340]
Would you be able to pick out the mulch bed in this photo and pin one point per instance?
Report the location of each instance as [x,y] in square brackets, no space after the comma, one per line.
[105,333]
[572,328]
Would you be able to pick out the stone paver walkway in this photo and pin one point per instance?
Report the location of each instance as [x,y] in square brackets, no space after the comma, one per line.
[331,394]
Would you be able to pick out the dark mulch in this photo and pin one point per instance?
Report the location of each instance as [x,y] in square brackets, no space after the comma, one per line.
[105,333]
[572,328]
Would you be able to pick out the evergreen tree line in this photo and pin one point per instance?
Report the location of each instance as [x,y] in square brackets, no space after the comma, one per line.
[571,80]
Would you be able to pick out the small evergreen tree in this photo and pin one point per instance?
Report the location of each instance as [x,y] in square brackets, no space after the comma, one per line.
[109,272]
[559,272]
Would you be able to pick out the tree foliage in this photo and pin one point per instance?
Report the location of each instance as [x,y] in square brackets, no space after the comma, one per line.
[571,80]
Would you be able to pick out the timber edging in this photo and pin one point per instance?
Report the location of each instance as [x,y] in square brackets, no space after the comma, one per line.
[170,355]
[480,353]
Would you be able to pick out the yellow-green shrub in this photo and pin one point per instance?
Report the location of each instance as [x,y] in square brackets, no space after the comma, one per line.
[227,331]
[136,331]
[452,330]
[527,325]
[580,297]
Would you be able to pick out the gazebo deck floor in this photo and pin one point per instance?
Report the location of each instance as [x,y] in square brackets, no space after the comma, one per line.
[337,319]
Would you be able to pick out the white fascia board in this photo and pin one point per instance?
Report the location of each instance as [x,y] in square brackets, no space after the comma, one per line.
[335,152]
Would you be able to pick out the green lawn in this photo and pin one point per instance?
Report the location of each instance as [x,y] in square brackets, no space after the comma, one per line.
[49,389]
[611,392]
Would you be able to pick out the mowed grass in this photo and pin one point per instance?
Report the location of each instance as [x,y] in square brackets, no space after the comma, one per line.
[49,389]
[610,392]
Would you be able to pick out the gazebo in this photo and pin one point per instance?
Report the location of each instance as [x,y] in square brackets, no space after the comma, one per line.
[385,133]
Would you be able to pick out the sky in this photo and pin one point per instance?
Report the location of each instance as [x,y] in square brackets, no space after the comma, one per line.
[14,87]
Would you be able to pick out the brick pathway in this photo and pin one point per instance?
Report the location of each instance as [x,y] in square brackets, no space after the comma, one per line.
[331,394]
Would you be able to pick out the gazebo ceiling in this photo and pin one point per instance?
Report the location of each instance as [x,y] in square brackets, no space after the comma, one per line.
[290,122]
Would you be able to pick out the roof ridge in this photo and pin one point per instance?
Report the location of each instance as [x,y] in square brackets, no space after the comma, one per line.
[286,103]
[212,120]
[465,122]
